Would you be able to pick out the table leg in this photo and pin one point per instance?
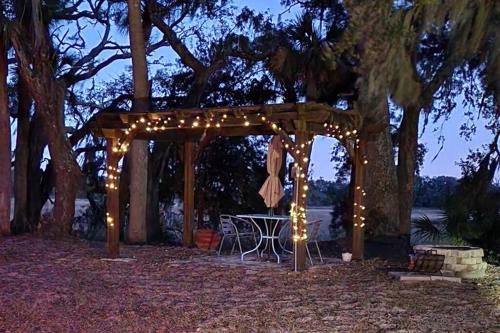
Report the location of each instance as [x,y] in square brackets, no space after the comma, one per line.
[258,245]
[267,238]
[273,235]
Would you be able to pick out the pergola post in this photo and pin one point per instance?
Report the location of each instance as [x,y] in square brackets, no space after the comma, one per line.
[358,219]
[188,194]
[300,198]
[112,200]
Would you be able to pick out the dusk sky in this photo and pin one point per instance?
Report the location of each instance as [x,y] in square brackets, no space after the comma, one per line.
[455,147]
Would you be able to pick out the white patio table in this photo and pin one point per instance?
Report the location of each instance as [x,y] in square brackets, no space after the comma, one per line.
[270,224]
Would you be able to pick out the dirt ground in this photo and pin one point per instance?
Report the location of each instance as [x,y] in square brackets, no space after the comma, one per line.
[64,286]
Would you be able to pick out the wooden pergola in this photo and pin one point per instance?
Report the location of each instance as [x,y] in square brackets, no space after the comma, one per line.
[302,120]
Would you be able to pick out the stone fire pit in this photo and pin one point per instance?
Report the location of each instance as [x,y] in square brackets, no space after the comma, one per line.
[464,261]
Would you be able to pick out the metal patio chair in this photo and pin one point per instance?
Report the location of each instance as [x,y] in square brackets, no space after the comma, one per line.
[235,229]
[312,237]
[284,236]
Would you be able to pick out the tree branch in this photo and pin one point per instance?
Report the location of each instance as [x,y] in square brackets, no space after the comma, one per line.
[186,56]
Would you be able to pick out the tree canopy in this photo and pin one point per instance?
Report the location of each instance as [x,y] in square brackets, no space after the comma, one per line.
[393,61]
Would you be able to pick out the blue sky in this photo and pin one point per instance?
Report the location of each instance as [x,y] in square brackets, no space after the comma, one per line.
[455,147]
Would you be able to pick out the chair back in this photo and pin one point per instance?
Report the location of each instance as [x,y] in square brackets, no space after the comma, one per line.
[313,230]
[227,226]
[285,231]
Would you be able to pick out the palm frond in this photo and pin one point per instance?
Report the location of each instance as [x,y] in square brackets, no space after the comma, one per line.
[426,230]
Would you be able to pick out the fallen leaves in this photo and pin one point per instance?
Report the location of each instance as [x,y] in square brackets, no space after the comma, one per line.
[53,286]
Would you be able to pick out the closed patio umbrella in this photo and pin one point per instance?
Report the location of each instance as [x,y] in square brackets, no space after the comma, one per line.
[272,190]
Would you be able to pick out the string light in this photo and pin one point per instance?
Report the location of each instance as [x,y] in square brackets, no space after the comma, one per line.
[297,211]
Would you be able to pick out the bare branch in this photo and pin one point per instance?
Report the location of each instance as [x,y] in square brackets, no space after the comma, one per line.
[186,56]
[93,70]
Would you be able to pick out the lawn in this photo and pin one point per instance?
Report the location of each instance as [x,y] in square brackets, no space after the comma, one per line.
[64,286]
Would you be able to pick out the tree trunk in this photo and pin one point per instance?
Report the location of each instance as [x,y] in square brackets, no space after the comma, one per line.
[382,215]
[5,175]
[137,232]
[64,165]
[407,156]
[124,196]
[381,181]
[153,211]
[37,144]
[20,223]
[35,59]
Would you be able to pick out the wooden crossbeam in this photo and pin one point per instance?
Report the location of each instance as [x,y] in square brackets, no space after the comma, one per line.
[315,115]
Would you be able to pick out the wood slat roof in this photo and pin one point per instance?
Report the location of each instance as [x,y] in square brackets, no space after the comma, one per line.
[190,124]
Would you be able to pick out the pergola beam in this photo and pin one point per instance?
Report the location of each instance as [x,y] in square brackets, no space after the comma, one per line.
[187,239]
[224,120]
[300,198]
[112,200]
[304,120]
[358,218]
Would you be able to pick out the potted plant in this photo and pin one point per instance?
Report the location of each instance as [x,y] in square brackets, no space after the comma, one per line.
[205,237]
[346,256]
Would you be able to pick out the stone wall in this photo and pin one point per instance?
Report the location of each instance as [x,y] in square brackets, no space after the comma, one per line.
[462,261]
